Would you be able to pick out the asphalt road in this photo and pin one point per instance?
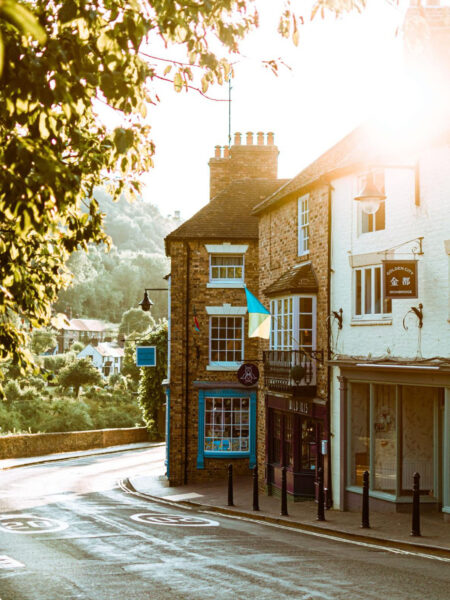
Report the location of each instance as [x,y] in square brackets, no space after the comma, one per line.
[68,531]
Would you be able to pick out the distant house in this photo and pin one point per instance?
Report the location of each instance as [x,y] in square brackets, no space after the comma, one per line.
[88,331]
[105,357]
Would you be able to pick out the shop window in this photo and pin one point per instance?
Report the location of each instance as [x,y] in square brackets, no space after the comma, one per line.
[226,424]
[288,454]
[385,439]
[275,446]
[369,293]
[308,446]
[226,267]
[359,432]
[226,340]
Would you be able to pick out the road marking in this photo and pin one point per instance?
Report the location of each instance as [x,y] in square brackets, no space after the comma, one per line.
[178,520]
[180,497]
[30,524]
[6,562]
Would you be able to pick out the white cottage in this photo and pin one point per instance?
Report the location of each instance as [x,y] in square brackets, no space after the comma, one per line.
[105,357]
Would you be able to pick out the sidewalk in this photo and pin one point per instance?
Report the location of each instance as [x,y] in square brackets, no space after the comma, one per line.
[392,529]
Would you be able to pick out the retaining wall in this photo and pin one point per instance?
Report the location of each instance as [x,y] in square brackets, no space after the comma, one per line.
[37,444]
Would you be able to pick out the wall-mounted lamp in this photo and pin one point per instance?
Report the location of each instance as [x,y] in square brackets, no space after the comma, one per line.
[146,304]
[370,196]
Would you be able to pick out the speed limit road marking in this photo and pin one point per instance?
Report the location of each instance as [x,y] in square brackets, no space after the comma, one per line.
[179,520]
[6,562]
[29,524]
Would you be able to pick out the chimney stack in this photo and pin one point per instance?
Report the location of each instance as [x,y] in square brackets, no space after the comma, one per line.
[243,161]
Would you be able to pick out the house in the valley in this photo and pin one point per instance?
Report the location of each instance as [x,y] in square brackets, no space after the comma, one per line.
[105,357]
[214,255]
[87,331]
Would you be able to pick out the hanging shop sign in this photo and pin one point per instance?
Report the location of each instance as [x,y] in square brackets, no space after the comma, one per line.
[146,356]
[400,279]
[248,374]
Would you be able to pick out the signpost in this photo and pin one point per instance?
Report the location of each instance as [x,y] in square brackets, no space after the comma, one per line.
[400,279]
[146,356]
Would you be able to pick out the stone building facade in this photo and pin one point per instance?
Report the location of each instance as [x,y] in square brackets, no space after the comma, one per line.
[214,256]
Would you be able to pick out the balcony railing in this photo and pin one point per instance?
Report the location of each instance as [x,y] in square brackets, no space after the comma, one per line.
[292,370]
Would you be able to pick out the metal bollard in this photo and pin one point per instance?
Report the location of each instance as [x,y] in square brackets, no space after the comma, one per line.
[416,506]
[255,488]
[365,501]
[321,496]
[230,485]
[284,510]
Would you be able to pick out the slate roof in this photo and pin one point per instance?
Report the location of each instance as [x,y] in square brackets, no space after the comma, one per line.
[85,325]
[300,278]
[229,214]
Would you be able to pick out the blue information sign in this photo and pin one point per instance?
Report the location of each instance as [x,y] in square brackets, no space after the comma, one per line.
[146,356]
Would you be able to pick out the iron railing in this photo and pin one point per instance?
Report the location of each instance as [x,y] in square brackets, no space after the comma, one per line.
[291,370]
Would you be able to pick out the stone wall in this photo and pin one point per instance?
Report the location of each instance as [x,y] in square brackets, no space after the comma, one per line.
[37,444]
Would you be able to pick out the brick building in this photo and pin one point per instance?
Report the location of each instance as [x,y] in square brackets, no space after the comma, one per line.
[214,255]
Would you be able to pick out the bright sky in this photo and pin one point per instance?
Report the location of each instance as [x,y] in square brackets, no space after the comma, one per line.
[342,72]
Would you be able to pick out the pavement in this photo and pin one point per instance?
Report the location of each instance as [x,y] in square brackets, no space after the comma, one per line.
[386,529]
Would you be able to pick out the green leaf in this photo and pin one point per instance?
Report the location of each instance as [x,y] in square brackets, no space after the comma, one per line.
[178,82]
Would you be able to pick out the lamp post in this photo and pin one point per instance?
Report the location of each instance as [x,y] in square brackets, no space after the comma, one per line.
[146,304]
[370,196]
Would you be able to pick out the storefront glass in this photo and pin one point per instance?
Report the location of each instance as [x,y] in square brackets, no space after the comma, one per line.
[359,432]
[385,438]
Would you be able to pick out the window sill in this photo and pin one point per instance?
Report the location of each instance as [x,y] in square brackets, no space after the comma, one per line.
[391,497]
[225,284]
[226,453]
[223,367]
[370,322]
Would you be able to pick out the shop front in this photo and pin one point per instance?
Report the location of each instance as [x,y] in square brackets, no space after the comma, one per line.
[395,421]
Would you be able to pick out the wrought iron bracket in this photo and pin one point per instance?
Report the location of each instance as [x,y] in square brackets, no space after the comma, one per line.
[418,311]
[337,314]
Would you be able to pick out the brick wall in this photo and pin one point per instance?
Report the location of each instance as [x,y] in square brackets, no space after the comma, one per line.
[278,251]
[198,352]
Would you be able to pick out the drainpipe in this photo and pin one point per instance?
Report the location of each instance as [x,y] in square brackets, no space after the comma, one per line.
[186,362]
[329,478]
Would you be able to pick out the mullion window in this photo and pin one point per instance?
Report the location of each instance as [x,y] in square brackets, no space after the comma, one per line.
[369,292]
[227,266]
[226,339]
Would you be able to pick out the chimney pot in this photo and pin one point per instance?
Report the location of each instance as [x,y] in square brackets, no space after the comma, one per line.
[249,138]
[226,152]
[237,139]
[216,151]
[260,136]
[270,139]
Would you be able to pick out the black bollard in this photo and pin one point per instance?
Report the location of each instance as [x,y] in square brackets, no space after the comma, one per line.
[416,506]
[284,510]
[365,501]
[230,485]
[321,496]
[255,488]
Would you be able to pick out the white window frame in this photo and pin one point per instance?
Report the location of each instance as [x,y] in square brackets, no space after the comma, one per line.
[303,225]
[226,249]
[370,315]
[216,280]
[277,339]
[225,365]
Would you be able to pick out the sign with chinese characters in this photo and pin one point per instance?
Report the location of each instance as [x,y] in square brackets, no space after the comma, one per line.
[146,356]
[248,374]
[400,279]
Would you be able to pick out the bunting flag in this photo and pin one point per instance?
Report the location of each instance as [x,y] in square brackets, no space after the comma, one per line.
[196,323]
[258,317]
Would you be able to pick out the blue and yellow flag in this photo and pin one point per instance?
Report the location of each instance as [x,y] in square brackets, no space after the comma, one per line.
[258,317]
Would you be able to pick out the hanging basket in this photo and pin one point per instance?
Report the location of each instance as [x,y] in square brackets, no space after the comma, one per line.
[298,373]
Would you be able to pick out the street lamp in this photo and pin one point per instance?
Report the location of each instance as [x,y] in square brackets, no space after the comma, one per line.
[370,196]
[146,304]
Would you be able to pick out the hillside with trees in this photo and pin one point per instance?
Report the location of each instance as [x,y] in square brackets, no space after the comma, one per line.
[106,284]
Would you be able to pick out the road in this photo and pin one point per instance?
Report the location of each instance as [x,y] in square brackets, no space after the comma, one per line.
[68,531]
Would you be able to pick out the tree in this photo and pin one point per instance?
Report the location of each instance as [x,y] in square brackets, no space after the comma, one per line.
[151,394]
[42,340]
[77,373]
[135,320]
[54,146]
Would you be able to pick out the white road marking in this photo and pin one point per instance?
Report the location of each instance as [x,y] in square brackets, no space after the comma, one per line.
[180,497]
[30,524]
[6,562]
[177,520]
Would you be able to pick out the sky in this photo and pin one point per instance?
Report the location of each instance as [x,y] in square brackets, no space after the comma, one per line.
[342,72]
